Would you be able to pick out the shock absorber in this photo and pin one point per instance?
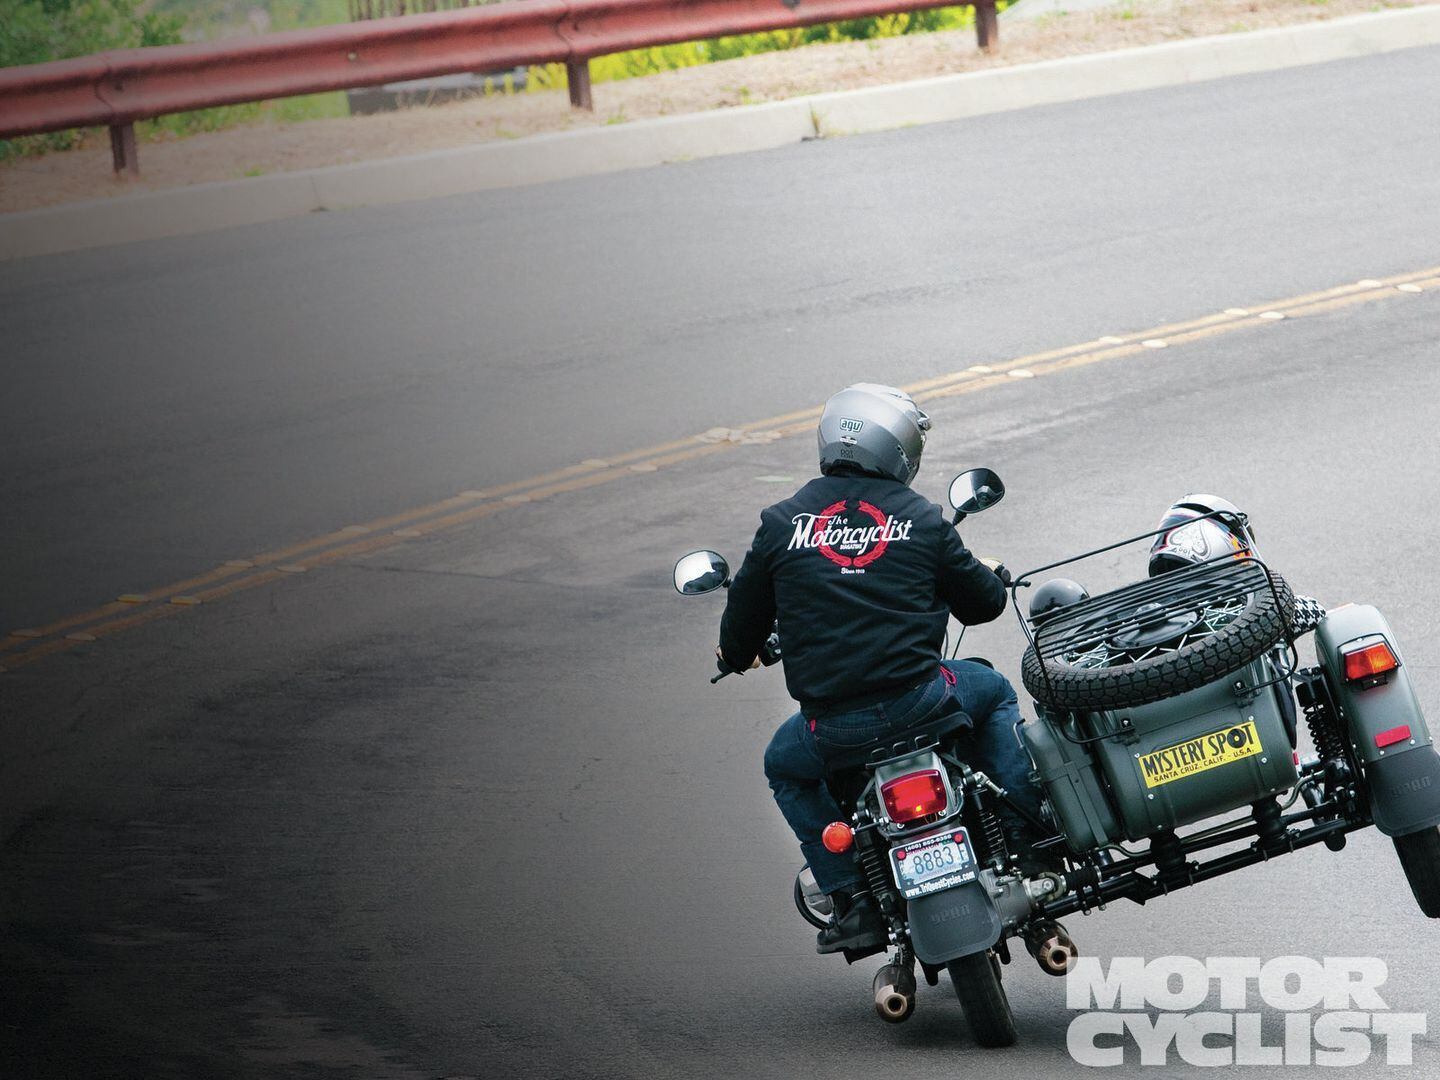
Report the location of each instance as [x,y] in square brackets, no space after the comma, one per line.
[869,855]
[992,835]
[1314,698]
[1313,694]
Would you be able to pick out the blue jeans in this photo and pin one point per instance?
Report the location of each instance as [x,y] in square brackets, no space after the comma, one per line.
[795,758]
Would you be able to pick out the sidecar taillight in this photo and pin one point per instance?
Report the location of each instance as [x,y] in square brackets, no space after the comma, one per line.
[1369,661]
[914,795]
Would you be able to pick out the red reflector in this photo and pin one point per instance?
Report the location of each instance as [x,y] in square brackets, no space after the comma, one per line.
[1394,735]
[837,837]
[1368,661]
[915,795]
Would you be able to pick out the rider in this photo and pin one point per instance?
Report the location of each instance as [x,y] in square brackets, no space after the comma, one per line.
[863,575]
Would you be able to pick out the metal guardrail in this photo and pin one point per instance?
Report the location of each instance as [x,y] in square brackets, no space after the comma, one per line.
[115,89]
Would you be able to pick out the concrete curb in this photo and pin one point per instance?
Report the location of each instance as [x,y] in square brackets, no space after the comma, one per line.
[207,207]
[954,97]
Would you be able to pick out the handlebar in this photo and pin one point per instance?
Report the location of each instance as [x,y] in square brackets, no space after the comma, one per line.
[769,656]
[725,669]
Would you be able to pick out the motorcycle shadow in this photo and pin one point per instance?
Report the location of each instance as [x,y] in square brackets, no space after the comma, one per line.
[938,1026]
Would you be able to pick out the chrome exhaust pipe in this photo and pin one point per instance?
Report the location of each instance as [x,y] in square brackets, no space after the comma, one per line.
[894,993]
[1052,948]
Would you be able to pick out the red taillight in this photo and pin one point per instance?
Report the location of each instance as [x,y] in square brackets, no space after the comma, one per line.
[837,837]
[914,795]
[1368,661]
[1394,735]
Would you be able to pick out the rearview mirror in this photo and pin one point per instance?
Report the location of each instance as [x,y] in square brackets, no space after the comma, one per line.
[976,490]
[701,572]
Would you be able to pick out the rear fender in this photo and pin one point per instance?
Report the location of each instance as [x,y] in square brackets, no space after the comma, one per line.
[1403,777]
[953,923]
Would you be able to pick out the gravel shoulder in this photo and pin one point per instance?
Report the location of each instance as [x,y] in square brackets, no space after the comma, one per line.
[260,149]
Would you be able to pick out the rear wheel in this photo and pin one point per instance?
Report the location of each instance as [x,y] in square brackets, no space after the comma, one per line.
[982,998]
[1420,859]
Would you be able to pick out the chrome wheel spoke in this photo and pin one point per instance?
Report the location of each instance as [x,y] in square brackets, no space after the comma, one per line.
[1212,619]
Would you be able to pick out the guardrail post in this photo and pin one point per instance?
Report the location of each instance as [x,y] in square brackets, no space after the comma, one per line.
[122,149]
[987,26]
[577,76]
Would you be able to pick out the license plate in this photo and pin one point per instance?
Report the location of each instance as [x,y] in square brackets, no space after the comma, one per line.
[936,862]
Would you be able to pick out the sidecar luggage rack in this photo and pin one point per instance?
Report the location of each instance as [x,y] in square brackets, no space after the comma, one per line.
[1083,626]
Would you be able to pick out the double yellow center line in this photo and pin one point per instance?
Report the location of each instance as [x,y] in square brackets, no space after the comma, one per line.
[26,645]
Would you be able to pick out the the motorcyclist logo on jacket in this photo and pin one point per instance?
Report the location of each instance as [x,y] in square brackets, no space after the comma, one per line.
[852,539]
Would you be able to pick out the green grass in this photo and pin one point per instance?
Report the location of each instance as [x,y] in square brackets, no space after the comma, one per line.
[210,18]
[280,111]
[640,62]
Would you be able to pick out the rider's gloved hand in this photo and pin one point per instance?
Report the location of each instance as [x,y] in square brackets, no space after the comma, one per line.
[726,669]
[770,652]
[999,569]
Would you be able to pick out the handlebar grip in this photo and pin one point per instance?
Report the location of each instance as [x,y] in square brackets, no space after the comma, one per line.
[725,669]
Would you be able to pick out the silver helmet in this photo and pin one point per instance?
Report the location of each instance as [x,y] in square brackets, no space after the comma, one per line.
[878,429]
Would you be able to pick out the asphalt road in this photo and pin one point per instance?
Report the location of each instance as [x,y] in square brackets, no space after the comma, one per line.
[466,805]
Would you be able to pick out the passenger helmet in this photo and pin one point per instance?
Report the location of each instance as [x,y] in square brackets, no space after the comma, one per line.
[1187,540]
[1055,594]
[877,429]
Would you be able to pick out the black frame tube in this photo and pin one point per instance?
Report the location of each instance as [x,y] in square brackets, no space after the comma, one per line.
[1132,885]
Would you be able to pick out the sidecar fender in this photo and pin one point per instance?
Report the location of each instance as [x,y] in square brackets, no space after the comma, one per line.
[1402,769]
[953,923]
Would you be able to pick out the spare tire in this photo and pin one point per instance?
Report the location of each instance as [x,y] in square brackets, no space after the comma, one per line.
[1248,636]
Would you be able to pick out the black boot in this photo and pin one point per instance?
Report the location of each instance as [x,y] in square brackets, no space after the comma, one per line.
[856,924]
[1021,840]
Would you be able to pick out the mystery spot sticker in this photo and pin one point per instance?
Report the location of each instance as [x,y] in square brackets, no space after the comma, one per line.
[1201,754]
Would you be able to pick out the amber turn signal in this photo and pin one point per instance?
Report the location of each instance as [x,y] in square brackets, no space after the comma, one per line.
[1369,661]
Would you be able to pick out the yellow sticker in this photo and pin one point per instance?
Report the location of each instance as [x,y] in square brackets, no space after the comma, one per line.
[1197,755]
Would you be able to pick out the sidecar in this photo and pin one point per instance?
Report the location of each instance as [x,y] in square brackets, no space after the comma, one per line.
[1176,700]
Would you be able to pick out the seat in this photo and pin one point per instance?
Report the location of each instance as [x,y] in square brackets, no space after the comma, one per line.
[919,737]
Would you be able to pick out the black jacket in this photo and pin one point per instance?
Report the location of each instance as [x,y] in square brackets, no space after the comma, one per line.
[863,574]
